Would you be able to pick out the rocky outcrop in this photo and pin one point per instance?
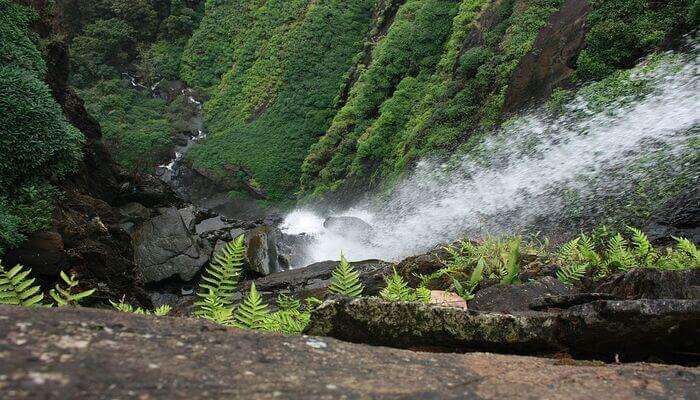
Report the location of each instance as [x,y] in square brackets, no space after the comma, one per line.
[646,283]
[93,354]
[164,247]
[507,298]
[631,329]
[552,60]
[313,281]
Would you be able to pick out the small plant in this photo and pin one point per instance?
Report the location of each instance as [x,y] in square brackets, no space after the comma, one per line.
[252,313]
[289,318]
[16,288]
[219,282]
[128,308]
[67,297]
[221,276]
[510,266]
[606,253]
[397,289]
[346,280]
[467,292]
[287,303]
[423,294]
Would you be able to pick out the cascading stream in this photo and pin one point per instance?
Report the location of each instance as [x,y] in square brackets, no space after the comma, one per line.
[518,177]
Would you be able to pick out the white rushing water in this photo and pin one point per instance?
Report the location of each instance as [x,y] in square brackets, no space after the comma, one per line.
[518,178]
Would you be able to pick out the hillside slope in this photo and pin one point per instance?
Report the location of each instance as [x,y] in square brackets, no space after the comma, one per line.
[293,81]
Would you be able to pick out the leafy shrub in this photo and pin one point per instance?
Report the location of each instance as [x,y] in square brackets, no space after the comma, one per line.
[345,280]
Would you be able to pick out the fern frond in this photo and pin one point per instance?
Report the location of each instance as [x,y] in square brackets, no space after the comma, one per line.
[66,297]
[346,280]
[397,289]
[511,266]
[214,310]
[287,303]
[162,310]
[221,275]
[291,322]
[645,253]
[572,273]
[16,288]
[252,313]
[423,294]
[618,255]
[685,245]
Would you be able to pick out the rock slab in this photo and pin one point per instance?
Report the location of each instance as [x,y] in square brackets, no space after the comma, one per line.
[93,354]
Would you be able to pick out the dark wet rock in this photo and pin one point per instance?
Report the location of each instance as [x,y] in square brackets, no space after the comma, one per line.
[632,329]
[646,283]
[507,298]
[163,247]
[425,264]
[552,60]
[679,217]
[149,191]
[43,252]
[349,227]
[57,354]
[313,281]
[134,213]
[261,250]
[568,300]
[211,225]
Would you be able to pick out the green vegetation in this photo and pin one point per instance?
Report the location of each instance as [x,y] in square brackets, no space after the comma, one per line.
[37,144]
[138,128]
[16,288]
[398,290]
[622,31]
[128,308]
[605,253]
[465,94]
[597,255]
[345,280]
[220,279]
[276,96]
[69,296]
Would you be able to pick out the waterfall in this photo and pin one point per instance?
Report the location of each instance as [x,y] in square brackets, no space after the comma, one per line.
[524,174]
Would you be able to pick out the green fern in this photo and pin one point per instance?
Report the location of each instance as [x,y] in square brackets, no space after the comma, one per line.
[128,308]
[618,255]
[16,288]
[67,297]
[252,313]
[423,294]
[644,252]
[511,263]
[214,310]
[346,280]
[467,292]
[572,273]
[287,303]
[221,276]
[397,289]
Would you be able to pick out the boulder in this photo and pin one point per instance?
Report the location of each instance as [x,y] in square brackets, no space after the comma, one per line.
[507,298]
[645,283]
[43,252]
[313,281]
[163,247]
[261,250]
[634,329]
[134,213]
[56,354]
[349,227]
[558,301]
[212,225]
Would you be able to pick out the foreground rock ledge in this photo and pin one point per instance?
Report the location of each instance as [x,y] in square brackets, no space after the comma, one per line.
[94,354]
[634,329]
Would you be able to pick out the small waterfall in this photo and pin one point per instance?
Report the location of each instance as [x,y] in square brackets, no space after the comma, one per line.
[523,175]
